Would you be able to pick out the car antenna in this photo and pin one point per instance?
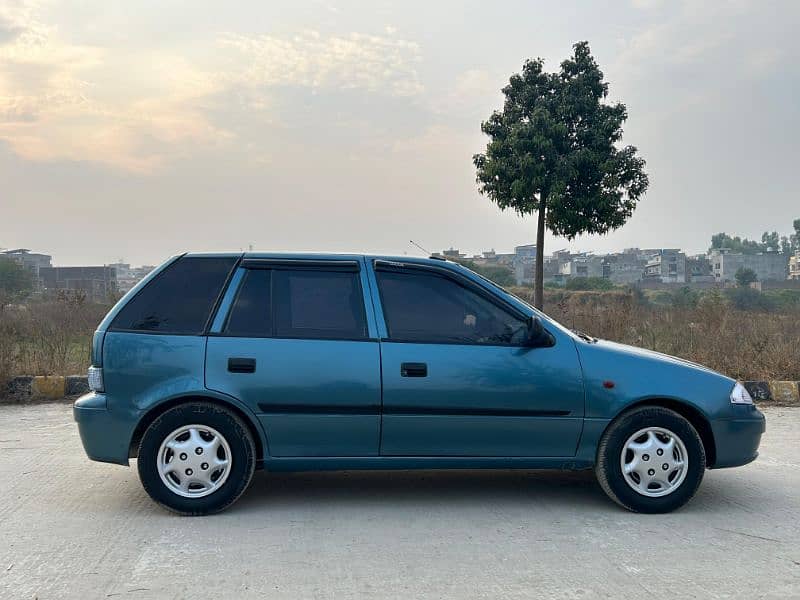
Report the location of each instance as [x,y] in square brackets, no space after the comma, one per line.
[420,247]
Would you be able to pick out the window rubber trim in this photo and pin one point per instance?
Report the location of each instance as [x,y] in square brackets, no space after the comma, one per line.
[351,266]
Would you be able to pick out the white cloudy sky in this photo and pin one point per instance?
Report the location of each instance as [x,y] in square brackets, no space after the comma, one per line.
[142,129]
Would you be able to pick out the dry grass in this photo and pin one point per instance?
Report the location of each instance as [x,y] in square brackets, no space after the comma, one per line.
[54,338]
[744,345]
[47,338]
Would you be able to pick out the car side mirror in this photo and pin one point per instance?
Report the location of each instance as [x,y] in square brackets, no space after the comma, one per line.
[537,336]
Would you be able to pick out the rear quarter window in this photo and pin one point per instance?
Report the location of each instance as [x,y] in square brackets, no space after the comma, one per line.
[179,299]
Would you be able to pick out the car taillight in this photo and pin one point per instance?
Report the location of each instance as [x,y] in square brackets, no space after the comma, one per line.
[95,377]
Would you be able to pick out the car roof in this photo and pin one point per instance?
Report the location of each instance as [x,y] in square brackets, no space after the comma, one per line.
[320,256]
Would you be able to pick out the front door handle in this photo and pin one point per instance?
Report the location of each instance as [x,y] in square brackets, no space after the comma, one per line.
[242,365]
[410,369]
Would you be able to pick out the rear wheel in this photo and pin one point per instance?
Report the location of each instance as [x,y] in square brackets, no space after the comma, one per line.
[650,460]
[196,458]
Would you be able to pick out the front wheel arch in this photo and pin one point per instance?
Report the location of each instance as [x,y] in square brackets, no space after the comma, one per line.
[159,409]
[698,420]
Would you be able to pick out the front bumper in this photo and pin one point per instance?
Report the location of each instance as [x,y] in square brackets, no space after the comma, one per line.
[737,438]
[105,437]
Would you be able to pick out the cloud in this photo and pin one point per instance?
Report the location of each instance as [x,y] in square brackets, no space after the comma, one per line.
[699,52]
[381,64]
[140,110]
[697,31]
[55,104]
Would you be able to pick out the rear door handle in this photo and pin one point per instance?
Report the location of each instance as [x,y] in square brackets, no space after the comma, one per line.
[242,365]
[410,369]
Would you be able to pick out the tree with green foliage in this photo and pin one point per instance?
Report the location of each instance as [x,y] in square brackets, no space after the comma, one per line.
[15,280]
[770,241]
[554,150]
[736,244]
[744,277]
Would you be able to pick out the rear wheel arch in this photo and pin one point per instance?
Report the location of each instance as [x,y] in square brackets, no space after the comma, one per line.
[155,411]
[698,420]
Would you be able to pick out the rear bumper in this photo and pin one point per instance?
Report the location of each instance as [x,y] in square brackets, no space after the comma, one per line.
[105,438]
[737,438]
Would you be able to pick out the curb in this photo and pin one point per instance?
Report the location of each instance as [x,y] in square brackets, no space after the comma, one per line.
[778,392]
[43,388]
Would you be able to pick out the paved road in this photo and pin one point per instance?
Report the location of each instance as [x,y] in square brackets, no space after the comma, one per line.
[75,529]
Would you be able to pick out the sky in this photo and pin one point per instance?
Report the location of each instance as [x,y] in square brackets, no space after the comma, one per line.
[138,130]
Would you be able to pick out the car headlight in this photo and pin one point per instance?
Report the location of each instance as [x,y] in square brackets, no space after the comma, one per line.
[740,395]
[95,378]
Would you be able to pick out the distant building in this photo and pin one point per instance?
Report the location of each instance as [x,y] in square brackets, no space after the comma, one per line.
[794,266]
[699,269]
[550,271]
[668,265]
[99,284]
[768,266]
[626,267]
[30,261]
[128,276]
[582,265]
[487,257]
[525,251]
[452,254]
[524,264]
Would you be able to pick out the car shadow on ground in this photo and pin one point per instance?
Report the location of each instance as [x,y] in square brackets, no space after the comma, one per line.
[425,490]
[422,488]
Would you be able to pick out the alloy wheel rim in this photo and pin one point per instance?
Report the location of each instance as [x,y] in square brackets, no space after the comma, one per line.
[654,462]
[194,461]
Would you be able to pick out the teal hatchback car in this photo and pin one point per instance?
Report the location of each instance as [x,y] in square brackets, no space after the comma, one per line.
[218,364]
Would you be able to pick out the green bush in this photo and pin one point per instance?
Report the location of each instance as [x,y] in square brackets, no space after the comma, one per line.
[589,283]
[664,298]
[745,298]
[685,297]
[16,282]
[784,299]
[502,276]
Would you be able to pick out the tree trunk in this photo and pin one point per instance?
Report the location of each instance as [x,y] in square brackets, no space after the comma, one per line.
[538,290]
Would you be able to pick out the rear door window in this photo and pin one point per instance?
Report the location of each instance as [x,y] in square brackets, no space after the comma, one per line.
[318,304]
[302,303]
[179,300]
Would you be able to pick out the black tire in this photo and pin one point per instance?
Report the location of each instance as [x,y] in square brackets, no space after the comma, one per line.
[609,470]
[230,426]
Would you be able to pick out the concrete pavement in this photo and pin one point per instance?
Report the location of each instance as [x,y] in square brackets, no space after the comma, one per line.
[76,529]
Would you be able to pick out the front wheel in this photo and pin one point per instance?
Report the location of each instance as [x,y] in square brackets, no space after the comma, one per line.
[650,460]
[196,458]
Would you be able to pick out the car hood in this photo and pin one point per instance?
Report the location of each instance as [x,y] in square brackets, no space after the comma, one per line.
[650,355]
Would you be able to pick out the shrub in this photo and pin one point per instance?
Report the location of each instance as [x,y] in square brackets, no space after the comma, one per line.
[498,274]
[48,338]
[685,297]
[589,283]
[745,298]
